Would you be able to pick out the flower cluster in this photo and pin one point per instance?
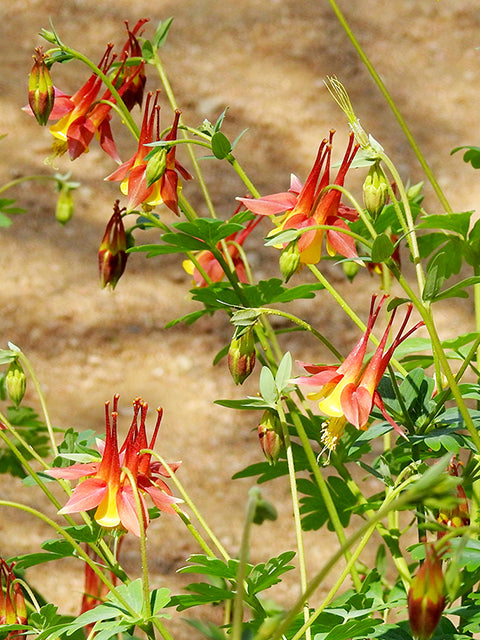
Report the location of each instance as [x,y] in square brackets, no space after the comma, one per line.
[316,203]
[348,392]
[115,483]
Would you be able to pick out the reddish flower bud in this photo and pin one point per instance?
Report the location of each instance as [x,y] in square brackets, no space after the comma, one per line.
[112,255]
[426,599]
[269,433]
[458,516]
[12,602]
[41,94]
[241,356]
[15,382]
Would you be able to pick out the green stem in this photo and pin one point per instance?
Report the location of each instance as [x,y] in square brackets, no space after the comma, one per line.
[13,183]
[391,103]
[191,504]
[40,395]
[296,509]
[243,176]
[326,495]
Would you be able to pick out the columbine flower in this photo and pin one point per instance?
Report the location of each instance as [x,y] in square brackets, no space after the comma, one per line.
[107,486]
[349,392]
[426,599]
[41,93]
[112,255]
[12,602]
[133,172]
[458,516]
[313,204]
[132,76]
[210,265]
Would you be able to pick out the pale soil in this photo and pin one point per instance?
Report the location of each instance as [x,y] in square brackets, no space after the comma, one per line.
[266,61]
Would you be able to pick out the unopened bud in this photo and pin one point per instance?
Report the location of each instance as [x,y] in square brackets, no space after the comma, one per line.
[41,94]
[269,433]
[65,206]
[112,255]
[375,190]
[289,260]
[16,382]
[156,165]
[241,356]
[350,269]
[426,599]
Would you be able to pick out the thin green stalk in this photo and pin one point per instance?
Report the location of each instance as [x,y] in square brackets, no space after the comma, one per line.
[194,532]
[326,495]
[243,176]
[191,504]
[296,509]
[391,103]
[157,63]
[40,395]
[14,183]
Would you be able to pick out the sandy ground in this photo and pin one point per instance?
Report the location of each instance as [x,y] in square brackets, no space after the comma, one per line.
[266,61]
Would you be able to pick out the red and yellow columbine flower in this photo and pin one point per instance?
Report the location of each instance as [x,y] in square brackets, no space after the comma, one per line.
[314,204]
[107,487]
[132,77]
[212,267]
[426,597]
[12,601]
[112,255]
[348,392]
[133,172]
[458,516]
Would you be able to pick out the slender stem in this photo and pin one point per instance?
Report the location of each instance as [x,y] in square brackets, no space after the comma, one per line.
[391,103]
[296,509]
[191,504]
[13,183]
[243,176]
[40,395]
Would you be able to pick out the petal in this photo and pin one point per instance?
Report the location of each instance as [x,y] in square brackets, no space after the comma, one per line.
[74,471]
[341,242]
[357,405]
[158,468]
[162,500]
[318,379]
[270,205]
[378,402]
[127,509]
[87,495]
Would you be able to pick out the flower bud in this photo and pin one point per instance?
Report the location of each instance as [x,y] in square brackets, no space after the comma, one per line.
[426,599]
[458,515]
[241,356]
[41,94]
[65,207]
[350,269]
[12,602]
[16,382]
[375,190]
[269,433]
[289,260]
[156,166]
[112,255]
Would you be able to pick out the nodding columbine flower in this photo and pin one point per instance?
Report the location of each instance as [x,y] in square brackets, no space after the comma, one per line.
[133,173]
[349,392]
[426,598]
[314,204]
[458,516]
[112,255]
[107,486]
[41,93]
[212,268]
[12,602]
[132,75]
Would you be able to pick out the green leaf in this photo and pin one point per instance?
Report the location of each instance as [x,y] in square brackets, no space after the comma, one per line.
[159,599]
[265,575]
[161,33]
[221,146]
[313,508]
[147,51]
[132,593]
[268,388]
[455,222]
[457,290]
[351,629]
[382,248]
[472,155]
[284,372]
[435,277]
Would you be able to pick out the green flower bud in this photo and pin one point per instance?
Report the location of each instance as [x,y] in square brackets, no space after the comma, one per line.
[375,190]
[41,94]
[289,260]
[241,356]
[156,166]
[16,382]
[350,269]
[269,433]
[65,207]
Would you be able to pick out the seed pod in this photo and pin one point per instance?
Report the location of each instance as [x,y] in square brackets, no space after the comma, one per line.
[375,190]
[16,382]
[241,356]
[289,260]
[41,93]
[269,434]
